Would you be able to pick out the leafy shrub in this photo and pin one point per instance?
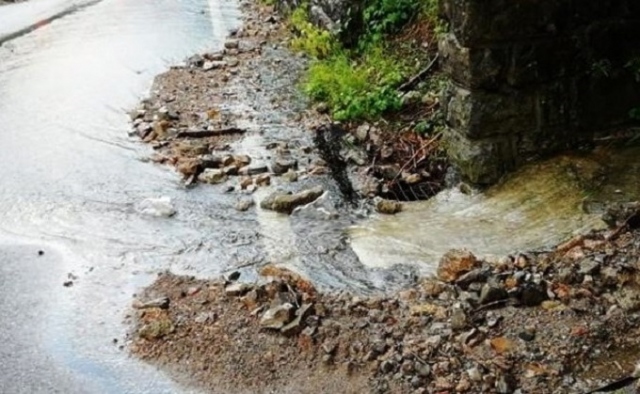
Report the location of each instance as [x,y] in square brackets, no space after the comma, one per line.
[362,89]
[383,17]
[315,42]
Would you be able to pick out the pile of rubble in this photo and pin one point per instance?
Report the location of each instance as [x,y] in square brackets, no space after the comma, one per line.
[555,321]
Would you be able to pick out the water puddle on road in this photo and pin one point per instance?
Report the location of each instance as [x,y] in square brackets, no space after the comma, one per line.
[534,208]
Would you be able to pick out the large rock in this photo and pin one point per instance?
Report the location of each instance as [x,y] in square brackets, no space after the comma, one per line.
[253,169]
[157,207]
[244,204]
[456,263]
[458,320]
[213,176]
[156,329]
[286,203]
[160,302]
[185,148]
[387,207]
[281,166]
[277,317]
[297,324]
[492,293]
[533,294]
[237,289]
[189,166]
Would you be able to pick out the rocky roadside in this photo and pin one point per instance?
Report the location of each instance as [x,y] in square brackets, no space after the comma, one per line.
[232,118]
[551,322]
[559,321]
[199,112]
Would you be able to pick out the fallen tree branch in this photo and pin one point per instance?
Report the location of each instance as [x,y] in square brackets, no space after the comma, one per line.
[210,133]
[405,87]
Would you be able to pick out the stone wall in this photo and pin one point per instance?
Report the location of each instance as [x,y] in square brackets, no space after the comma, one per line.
[531,77]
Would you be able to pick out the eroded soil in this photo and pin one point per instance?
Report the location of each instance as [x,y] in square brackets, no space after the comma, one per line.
[554,322]
[559,321]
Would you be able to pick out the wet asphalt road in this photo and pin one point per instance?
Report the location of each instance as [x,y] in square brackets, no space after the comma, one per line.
[70,180]
[26,365]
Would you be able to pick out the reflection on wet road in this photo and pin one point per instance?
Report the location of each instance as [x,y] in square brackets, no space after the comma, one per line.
[71,179]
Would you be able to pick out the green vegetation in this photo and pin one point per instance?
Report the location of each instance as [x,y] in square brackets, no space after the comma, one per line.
[382,17]
[311,40]
[356,89]
[360,82]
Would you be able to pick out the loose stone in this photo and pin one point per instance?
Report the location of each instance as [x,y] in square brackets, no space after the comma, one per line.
[388,207]
[492,293]
[160,302]
[456,263]
[244,204]
[237,289]
[277,317]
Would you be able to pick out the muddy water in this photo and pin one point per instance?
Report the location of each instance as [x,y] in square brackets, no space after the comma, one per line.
[535,208]
[72,184]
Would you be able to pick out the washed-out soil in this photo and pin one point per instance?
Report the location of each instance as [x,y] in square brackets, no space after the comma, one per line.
[558,321]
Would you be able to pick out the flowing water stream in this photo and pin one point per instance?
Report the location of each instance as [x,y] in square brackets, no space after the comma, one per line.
[535,208]
[73,184]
